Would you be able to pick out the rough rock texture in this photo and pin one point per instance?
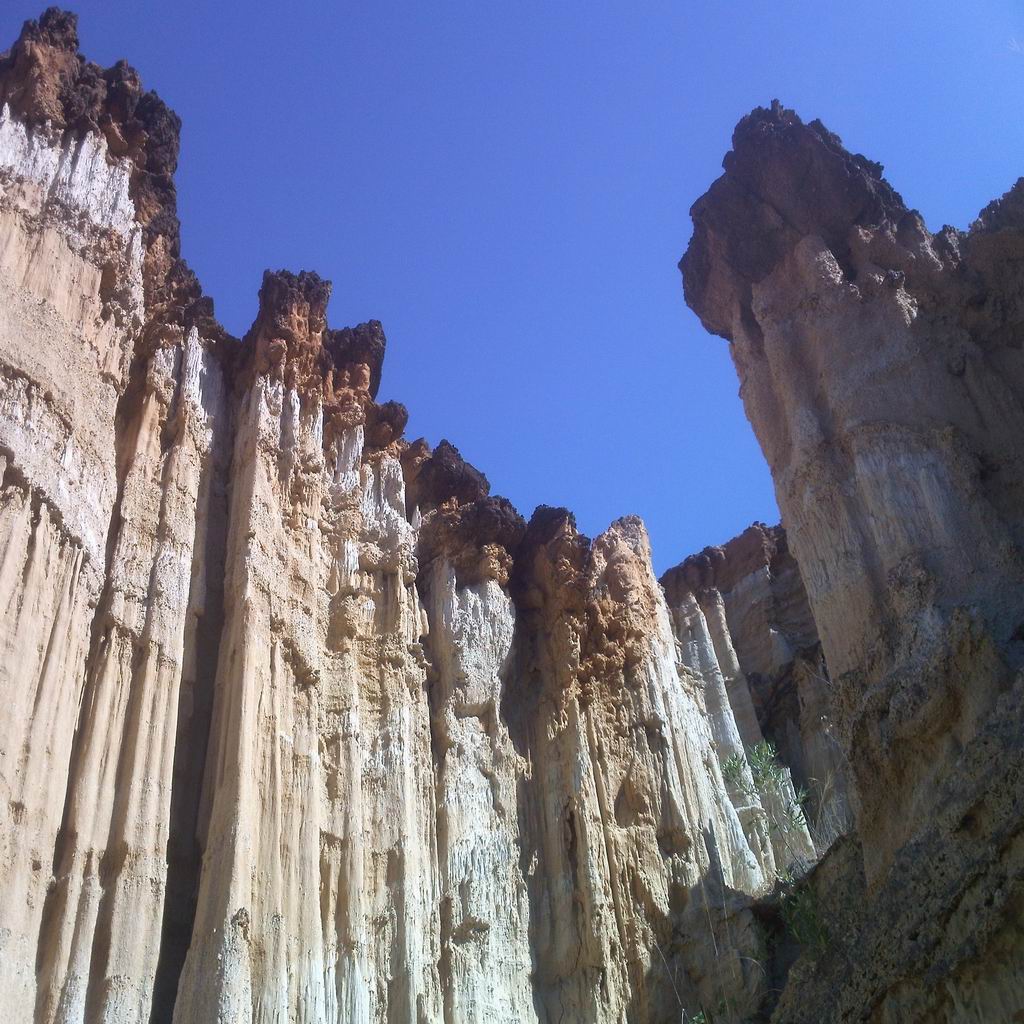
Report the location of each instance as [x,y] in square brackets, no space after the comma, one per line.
[630,867]
[882,369]
[749,597]
[300,723]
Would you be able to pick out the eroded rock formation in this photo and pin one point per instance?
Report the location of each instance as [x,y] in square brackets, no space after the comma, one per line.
[881,367]
[301,723]
[748,598]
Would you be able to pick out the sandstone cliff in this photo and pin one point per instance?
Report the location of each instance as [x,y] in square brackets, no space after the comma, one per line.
[300,723]
[881,368]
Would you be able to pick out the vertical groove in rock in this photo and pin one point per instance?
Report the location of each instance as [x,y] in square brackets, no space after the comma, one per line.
[742,615]
[204,625]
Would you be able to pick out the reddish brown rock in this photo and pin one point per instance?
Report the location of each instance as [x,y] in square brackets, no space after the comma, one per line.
[477,539]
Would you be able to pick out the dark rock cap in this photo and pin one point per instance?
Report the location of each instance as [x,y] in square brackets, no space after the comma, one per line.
[44,79]
[363,344]
[721,567]
[443,475]
[783,180]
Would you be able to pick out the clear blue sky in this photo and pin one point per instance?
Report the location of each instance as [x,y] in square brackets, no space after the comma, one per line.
[506,187]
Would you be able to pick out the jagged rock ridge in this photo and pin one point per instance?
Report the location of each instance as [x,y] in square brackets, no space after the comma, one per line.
[302,723]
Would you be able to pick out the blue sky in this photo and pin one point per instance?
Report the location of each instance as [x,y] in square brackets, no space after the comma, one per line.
[506,186]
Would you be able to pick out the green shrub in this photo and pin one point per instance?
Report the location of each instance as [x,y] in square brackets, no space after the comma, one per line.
[800,915]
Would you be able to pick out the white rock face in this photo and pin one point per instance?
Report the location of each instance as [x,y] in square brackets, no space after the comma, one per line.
[318,898]
[741,615]
[62,370]
[77,173]
[486,958]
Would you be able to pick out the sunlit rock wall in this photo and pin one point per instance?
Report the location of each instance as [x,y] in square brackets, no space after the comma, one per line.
[300,723]
[741,612]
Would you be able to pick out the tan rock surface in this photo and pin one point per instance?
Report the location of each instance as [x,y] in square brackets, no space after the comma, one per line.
[300,722]
[881,368]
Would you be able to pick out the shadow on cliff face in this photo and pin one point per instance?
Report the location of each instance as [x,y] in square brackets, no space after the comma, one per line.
[940,939]
[722,957]
[195,710]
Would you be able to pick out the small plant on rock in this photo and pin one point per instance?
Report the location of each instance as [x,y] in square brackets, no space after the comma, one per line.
[799,907]
[734,772]
[761,774]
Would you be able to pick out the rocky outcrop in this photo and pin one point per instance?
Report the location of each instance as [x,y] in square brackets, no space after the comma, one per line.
[749,599]
[881,368]
[107,459]
[301,722]
[647,832]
